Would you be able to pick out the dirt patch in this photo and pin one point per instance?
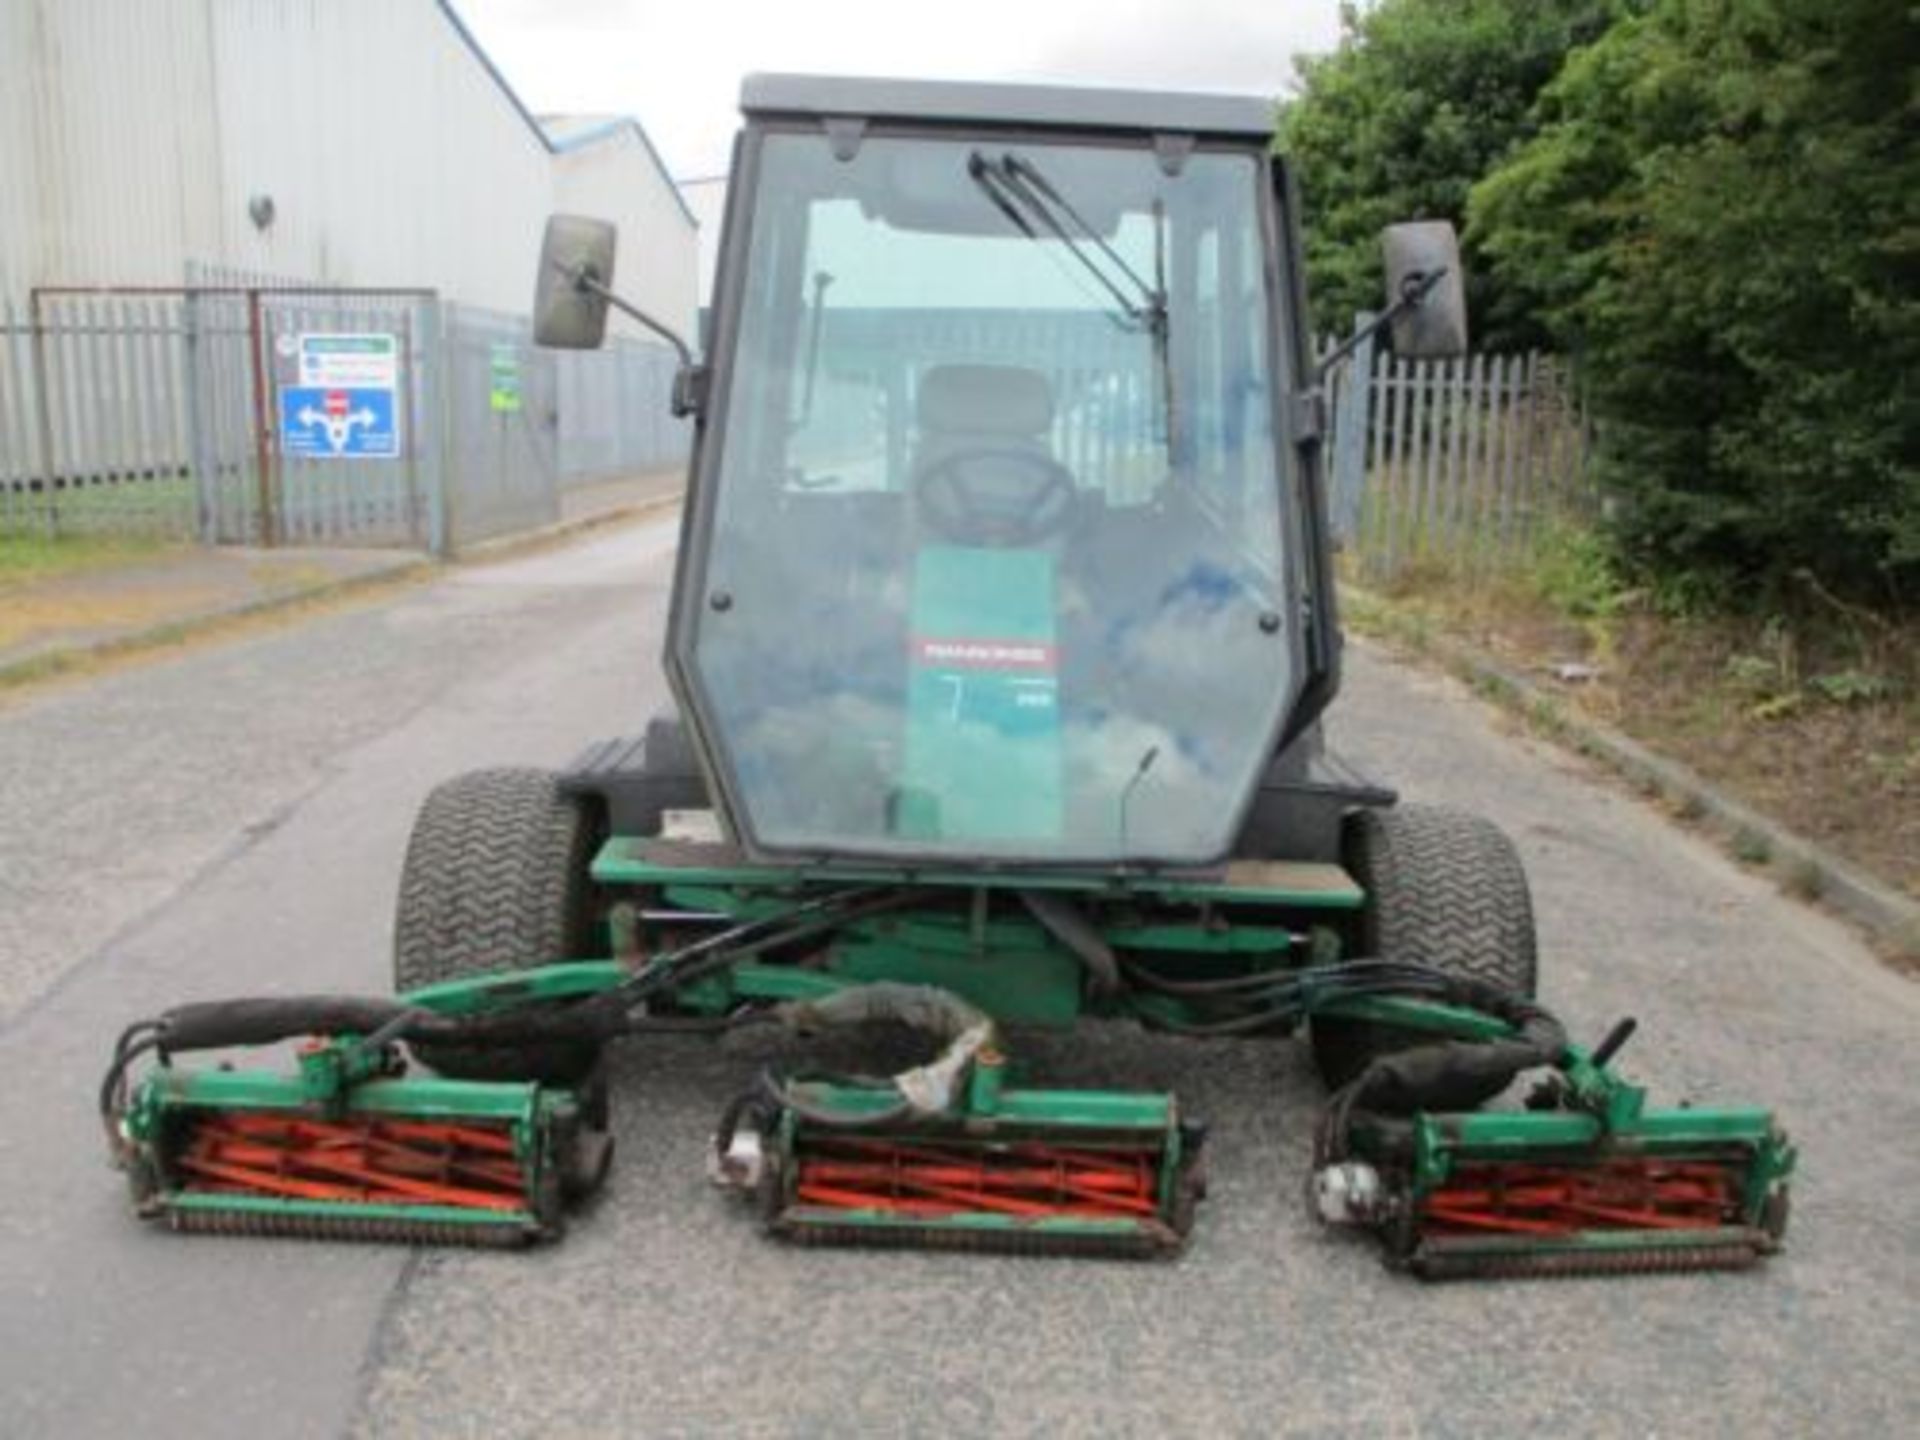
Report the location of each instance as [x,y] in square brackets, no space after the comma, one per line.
[29,615]
[1815,724]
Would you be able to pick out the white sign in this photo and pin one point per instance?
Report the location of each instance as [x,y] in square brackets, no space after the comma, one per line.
[350,362]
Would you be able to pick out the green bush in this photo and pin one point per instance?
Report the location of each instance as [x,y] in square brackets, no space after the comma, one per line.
[1422,98]
[1719,216]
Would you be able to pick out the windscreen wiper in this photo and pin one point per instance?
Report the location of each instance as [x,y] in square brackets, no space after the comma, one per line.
[1010,183]
[1018,188]
[1024,178]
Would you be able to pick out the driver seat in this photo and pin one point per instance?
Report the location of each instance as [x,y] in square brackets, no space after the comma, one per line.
[963,409]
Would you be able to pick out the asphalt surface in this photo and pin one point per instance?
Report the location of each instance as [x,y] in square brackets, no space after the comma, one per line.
[233,820]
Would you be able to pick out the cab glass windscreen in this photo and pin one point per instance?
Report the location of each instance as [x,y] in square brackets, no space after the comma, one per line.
[995,550]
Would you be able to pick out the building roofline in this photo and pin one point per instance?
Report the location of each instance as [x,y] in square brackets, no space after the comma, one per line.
[611,129]
[532,121]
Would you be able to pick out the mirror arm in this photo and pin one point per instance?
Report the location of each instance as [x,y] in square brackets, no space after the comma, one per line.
[585,280]
[1412,292]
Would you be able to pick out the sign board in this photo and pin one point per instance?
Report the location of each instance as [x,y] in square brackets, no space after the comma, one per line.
[321,424]
[504,367]
[350,362]
[343,407]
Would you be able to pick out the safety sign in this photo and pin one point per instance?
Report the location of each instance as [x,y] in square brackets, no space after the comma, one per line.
[328,424]
[350,362]
[504,368]
[343,406]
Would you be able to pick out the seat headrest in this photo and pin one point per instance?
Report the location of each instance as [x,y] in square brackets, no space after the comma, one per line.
[989,399]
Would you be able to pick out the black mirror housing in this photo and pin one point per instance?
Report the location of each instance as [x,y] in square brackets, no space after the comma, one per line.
[567,316]
[1435,327]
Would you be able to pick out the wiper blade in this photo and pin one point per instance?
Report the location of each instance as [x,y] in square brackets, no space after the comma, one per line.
[1025,176]
[1017,190]
[982,173]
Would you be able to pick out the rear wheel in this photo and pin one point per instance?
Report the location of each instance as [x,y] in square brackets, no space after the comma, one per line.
[496,879]
[1444,887]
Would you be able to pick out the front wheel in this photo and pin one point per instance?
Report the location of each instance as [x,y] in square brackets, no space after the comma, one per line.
[496,879]
[1445,888]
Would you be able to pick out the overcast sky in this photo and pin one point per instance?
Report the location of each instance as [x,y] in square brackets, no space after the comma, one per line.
[676,64]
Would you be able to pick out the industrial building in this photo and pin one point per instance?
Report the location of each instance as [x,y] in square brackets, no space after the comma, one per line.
[351,142]
[214,174]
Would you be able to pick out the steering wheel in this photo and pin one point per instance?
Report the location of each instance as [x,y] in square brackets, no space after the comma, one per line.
[1028,498]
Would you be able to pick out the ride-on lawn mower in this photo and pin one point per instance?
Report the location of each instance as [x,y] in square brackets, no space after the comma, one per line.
[1001,635]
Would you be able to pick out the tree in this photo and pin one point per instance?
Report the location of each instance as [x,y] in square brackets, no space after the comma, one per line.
[1421,99]
[1720,214]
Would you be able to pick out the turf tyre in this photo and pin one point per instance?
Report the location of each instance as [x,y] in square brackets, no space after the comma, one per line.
[1444,887]
[496,879]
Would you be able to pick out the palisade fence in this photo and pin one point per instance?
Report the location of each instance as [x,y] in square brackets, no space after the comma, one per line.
[156,411]
[1458,462]
[1463,463]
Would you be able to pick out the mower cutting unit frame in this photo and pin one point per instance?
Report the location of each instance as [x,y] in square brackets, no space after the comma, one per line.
[349,1147]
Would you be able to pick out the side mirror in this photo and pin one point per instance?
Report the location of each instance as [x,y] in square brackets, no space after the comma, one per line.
[567,316]
[1434,327]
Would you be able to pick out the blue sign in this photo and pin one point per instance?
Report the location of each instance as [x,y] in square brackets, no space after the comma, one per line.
[320,422]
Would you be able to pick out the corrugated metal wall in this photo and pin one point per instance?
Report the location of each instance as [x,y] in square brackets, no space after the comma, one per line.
[133,135]
[111,152]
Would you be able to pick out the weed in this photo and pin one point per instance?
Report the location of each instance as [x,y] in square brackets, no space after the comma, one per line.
[1689,806]
[1571,568]
[1546,717]
[1804,880]
[1852,687]
[1750,847]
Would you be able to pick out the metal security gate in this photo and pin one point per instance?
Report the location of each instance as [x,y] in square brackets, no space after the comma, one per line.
[341,370]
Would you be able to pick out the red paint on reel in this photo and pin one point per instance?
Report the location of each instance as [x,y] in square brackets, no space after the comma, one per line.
[356,1161]
[931,1180]
[1628,1193]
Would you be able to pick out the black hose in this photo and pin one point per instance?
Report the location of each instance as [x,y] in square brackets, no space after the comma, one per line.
[113,1088]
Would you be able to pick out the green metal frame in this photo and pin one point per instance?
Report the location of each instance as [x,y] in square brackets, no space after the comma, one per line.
[1597,1115]
[988,1115]
[621,863]
[999,958]
[331,1083]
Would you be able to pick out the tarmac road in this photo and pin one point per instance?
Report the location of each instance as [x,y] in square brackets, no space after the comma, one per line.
[233,820]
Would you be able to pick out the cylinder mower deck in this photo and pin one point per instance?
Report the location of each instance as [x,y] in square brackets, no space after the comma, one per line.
[1034,1171]
[321,1154]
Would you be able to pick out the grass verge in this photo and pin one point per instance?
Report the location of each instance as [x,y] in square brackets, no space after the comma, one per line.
[1811,720]
[29,559]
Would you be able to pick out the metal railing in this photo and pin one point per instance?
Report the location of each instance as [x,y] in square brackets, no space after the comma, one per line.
[154,411]
[1465,461]
[164,411]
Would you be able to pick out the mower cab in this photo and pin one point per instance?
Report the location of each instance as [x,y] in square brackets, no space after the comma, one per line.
[1003,541]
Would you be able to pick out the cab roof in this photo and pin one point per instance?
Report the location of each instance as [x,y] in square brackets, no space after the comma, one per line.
[1077,107]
